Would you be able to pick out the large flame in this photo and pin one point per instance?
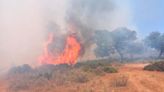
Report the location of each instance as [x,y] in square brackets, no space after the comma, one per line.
[69,55]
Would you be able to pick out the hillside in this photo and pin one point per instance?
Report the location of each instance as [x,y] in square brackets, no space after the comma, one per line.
[131,78]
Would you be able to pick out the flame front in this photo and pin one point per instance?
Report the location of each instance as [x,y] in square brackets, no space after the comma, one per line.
[69,55]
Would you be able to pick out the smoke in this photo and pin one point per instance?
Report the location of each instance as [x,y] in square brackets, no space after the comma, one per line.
[24,25]
[21,32]
[88,16]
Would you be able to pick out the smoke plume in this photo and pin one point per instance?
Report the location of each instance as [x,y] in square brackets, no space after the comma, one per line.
[25,25]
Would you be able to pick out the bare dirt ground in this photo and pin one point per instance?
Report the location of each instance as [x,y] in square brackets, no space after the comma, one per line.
[138,80]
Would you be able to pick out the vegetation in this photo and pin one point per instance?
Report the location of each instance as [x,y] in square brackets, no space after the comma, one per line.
[120,81]
[20,69]
[156,41]
[103,41]
[124,43]
[56,75]
[109,69]
[119,41]
[157,66]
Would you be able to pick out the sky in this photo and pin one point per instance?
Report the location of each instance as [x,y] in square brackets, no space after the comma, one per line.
[148,16]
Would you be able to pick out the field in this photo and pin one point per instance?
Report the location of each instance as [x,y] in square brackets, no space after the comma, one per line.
[129,78]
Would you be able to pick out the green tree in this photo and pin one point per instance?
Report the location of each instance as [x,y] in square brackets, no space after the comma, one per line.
[156,40]
[135,48]
[118,40]
[121,38]
[102,39]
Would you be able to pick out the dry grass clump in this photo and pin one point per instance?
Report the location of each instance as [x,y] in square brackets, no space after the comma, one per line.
[120,81]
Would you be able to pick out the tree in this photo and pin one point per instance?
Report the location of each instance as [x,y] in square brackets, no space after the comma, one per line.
[156,40]
[102,39]
[135,48]
[121,38]
[117,40]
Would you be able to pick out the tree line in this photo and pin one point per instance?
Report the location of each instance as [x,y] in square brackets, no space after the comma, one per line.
[125,42]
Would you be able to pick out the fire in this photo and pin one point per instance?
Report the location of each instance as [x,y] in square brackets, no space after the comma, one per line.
[69,55]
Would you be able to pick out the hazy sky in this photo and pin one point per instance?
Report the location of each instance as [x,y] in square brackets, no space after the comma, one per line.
[148,15]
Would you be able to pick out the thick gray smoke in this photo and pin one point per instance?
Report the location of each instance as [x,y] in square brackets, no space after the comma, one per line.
[87,16]
[24,25]
[90,15]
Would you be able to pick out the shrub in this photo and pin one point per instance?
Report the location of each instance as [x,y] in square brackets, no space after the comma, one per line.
[109,69]
[157,66]
[98,67]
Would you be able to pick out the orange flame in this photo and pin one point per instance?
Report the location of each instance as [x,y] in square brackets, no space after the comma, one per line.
[69,55]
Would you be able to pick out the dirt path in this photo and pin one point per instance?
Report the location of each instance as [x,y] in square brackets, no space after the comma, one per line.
[139,80]
[142,81]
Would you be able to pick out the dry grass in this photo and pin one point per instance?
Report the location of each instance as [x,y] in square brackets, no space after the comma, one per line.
[49,77]
[120,81]
[131,78]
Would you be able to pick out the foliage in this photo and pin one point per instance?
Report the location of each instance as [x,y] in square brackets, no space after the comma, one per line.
[103,42]
[135,47]
[109,69]
[99,67]
[157,66]
[118,40]
[121,39]
[156,40]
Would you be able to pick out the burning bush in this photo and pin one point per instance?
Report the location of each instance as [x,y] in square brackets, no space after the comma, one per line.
[157,66]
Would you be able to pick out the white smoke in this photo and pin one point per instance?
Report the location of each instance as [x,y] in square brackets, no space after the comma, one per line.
[23,24]
[21,33]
